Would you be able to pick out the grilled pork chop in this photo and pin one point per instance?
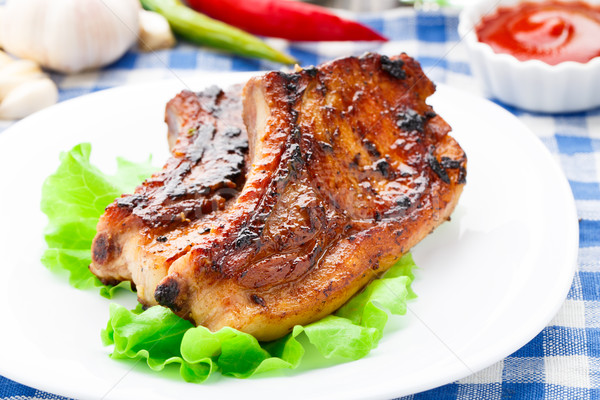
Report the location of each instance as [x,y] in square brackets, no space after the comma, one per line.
[348,169]
[140,235]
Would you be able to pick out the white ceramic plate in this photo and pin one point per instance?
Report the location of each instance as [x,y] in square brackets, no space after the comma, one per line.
[488,282]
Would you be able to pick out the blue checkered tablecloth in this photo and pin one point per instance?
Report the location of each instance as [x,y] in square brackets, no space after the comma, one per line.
[562,361]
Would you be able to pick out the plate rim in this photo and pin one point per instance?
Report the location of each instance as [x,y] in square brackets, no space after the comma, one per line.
[482,361]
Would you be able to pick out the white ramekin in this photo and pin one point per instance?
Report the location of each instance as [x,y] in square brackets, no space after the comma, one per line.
[531,85]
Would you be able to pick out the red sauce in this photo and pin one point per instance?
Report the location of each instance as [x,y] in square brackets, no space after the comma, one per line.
[550,31]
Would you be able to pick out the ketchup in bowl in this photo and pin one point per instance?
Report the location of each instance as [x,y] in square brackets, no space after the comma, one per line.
[550,31]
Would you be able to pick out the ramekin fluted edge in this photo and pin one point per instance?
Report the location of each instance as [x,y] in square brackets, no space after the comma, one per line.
[531,85]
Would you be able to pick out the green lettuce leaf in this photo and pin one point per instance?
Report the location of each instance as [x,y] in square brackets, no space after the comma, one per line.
[73,198]
[76,195]
[161,338]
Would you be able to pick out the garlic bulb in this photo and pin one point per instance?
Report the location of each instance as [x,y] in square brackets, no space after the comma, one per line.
[2,19]
[70,35]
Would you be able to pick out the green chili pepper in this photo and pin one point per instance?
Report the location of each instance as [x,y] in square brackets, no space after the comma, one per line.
[200,29]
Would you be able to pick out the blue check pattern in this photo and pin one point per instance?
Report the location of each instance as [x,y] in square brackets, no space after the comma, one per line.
[562,361]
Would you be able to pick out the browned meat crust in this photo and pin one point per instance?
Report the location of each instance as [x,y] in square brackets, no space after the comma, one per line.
[141,234]
[349,168]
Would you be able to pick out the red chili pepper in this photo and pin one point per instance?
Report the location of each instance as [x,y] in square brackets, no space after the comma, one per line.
[292,20]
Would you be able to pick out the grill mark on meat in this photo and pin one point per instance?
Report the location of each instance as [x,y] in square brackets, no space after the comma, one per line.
[383,167]
[166,294]
[371,148]
[211,96]
[436,167]
[132,201]
[393,67]
[258,300]
[410,120]
[104,249]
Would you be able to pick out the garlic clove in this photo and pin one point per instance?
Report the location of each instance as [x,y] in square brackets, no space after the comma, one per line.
[8,82]
[15,73]
[155,32]
[27,98]
[5,58]
[20,67]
